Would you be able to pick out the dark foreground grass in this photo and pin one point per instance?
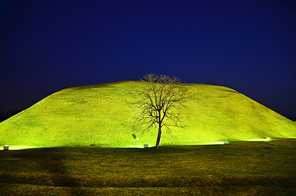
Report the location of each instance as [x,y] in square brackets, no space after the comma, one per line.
[240,168]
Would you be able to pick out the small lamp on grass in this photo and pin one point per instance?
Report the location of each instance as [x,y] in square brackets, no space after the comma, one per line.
[135,137]
[6,147]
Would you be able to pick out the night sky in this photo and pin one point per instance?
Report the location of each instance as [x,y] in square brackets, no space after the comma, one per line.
[49,45]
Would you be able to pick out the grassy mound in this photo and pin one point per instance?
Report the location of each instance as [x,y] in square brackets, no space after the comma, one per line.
[99,115]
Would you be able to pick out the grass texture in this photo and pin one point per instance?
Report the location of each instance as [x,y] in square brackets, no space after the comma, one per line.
[99,115]
[240,168]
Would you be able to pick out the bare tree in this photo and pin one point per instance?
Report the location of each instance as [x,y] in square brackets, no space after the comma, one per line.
[159,102]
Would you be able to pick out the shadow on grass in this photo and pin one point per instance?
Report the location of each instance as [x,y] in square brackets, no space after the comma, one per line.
[50,160]
[150,150]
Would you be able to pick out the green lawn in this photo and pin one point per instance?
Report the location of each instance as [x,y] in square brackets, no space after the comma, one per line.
[240,168]
[99,115]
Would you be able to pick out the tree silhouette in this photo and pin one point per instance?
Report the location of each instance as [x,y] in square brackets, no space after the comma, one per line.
[159,102]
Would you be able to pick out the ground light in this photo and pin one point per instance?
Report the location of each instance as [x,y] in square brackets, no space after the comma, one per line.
[135,137]
[19,147]
[6,147]
[260,140]
[210,143]
[136,146]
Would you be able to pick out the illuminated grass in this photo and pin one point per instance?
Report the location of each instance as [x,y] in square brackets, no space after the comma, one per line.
[98,115]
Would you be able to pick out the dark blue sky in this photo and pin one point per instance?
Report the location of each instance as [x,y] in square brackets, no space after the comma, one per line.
[49,45]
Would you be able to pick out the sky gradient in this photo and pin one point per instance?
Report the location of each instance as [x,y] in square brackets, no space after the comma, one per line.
[250,46]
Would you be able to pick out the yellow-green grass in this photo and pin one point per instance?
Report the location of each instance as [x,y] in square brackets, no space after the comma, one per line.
[240,168]
[99,115]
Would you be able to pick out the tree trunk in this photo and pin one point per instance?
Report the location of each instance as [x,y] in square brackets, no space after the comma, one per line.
[158,136]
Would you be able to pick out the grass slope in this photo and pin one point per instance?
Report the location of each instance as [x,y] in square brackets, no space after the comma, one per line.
[99,114]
